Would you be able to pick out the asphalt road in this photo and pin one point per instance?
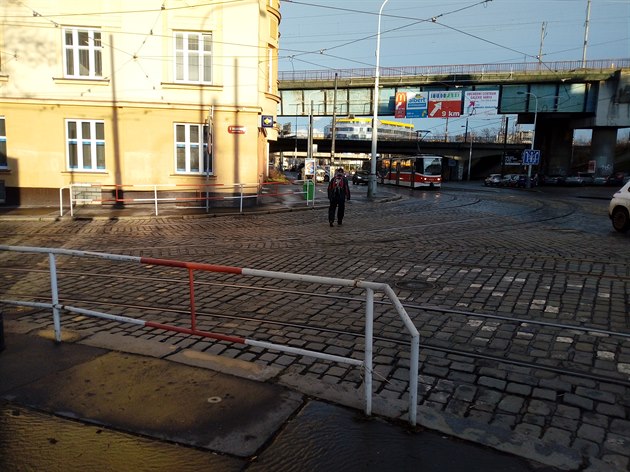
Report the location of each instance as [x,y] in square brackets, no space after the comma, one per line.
[520,297]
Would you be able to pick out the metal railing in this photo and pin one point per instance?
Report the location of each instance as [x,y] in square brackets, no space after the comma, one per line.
[456,69]
[368,287]
[202,194]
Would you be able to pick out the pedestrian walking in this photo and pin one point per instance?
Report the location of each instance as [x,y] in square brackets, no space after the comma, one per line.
[338,193]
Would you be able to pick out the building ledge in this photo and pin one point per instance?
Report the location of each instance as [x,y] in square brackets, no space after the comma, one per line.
[190,86]
[67,81]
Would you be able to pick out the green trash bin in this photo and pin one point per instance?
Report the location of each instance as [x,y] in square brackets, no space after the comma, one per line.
[309,189]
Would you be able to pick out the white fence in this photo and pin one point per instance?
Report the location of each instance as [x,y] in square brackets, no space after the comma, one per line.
[368,287]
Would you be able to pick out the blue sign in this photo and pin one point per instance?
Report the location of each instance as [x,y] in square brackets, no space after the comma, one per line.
[531,157]
[417,105]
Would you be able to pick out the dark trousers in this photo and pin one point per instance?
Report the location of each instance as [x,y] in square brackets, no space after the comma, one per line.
[337,205]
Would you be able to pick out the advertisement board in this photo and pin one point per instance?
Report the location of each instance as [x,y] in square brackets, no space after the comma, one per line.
[446,104]
[481,102]
[417,105]
[400,110]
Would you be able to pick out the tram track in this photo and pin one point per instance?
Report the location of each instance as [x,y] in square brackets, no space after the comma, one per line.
[426,345]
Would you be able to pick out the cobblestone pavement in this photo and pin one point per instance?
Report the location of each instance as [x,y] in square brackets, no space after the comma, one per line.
[521,299]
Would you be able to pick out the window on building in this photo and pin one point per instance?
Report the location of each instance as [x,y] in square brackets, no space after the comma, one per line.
[83,53]
[191,149]
[85,145]
[193,57]
[3,144]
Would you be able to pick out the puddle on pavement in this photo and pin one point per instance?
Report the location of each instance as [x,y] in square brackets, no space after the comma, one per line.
[327,437]
[30,440]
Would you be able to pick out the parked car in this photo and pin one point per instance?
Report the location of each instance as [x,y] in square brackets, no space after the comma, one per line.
[600,179]
[619,209]
[521,181]
[617,179]
[555,179]
[361,177]
[493,180]
[508,180]
[582,178]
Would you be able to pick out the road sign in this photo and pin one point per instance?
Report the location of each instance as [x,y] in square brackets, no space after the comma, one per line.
[234,129]
[531,157]
[267,121]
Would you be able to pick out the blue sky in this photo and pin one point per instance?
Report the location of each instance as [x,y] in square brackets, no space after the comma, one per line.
[326,34]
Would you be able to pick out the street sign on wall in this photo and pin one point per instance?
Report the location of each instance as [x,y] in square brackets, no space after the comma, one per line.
[445,104]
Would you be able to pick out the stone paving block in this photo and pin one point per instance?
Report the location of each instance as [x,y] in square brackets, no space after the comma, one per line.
[576,400]
[591,433]
[492,383]
[598,395]
[557,436]
[511,404]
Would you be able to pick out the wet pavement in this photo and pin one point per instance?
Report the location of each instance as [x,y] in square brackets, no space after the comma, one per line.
[69,406]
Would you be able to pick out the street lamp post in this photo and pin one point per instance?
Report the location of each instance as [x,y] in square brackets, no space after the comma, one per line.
[375,99]
[529,168]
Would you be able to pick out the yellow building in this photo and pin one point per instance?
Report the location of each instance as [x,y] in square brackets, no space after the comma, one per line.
[112,92]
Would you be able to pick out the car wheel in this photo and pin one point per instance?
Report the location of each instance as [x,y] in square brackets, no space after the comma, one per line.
[620,220]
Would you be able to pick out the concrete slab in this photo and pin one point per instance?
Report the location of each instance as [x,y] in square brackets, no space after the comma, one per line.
[166,400]
[29,358]
[237,367]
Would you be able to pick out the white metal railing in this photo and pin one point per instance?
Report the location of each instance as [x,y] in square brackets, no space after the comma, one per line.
[368,287]
[93,193]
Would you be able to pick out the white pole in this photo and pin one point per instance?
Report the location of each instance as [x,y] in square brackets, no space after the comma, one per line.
[367,361]
[372,179]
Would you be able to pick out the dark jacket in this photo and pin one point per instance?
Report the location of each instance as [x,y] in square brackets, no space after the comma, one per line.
[345,195]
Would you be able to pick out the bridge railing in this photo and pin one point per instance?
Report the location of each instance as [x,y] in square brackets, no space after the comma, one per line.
[456,69]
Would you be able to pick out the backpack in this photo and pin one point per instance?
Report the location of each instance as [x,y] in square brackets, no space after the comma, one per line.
[337,185]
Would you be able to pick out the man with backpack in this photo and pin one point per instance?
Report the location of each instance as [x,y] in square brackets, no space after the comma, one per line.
[338,193]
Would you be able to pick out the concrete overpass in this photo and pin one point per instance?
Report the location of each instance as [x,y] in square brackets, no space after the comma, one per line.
[560,96]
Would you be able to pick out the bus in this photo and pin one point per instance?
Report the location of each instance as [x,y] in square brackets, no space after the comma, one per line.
[422,171]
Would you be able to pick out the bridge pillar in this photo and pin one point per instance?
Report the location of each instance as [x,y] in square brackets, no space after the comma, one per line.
[603,144]
[554,138]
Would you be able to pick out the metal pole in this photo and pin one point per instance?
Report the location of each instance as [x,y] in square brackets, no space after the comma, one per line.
[375,100]
[367,362]
[469,152]
[55,296]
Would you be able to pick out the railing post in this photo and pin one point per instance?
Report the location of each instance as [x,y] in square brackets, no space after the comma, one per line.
[369,334]
[241,187]
[55,296]
[71,203]
[155,199]
[413,378]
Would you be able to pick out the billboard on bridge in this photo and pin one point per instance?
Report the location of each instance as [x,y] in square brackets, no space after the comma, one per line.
[481,102]
[446,104]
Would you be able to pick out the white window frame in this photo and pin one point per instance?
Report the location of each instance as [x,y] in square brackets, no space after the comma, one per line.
[205,162]
[92,51]
[4,162]
[80,141]
[184,56]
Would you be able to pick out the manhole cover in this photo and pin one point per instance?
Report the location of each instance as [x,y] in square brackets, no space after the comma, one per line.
[414,285]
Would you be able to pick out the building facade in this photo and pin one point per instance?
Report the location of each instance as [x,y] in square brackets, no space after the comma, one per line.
[150,92]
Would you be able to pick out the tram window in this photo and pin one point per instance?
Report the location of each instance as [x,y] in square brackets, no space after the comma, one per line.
[405,165]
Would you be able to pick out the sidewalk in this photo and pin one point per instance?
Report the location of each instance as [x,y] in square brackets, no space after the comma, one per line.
[265,204]
[78,406]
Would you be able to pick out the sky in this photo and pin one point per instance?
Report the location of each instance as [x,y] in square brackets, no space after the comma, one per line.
[327,34]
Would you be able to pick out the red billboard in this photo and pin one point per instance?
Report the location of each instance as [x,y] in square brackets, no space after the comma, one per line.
[400,111]
[445,104]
